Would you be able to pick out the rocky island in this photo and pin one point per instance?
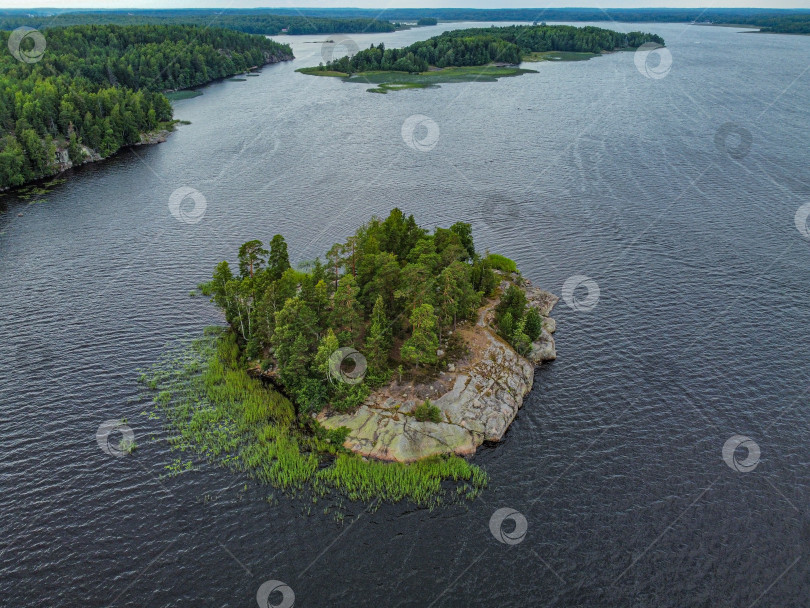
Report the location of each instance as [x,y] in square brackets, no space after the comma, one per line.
[374,372]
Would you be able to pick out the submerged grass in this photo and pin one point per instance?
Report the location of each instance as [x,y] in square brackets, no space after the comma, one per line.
[558,56]
[393,81]
[214,408]
[183,94]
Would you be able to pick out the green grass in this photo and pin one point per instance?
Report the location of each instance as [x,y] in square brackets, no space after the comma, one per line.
[500,262]
[316,72]
[214,408]
[398,86]
[558,56]
[394,81]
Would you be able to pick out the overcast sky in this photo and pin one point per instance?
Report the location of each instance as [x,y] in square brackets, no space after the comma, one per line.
[401,3]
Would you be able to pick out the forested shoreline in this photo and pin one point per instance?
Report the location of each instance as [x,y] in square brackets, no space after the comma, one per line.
[349,20]
[481,46]
[97,89]
[252,23]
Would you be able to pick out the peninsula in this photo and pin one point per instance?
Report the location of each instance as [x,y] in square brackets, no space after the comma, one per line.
[403,345]
[477,54]
[85,92]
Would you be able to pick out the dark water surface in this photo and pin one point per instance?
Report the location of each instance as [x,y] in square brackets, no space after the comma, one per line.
[589,168]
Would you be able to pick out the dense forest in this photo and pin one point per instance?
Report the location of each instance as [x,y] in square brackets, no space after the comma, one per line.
[98,88]
[480,46]
[250,23]
[394,291]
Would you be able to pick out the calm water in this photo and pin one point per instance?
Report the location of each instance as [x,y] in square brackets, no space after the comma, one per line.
[615,460]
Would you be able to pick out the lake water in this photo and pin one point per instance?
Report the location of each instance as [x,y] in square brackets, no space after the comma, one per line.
[700,333]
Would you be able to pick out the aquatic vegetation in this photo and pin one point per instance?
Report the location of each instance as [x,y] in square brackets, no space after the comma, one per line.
[214,408]
[397,81]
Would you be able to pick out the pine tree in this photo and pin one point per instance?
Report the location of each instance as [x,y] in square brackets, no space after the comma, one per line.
[278,261]
[421,347]
[328,344]
[534,324]
[251,258]
[346,313]
[378,342]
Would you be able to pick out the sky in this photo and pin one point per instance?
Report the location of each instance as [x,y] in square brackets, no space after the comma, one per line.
[63,4]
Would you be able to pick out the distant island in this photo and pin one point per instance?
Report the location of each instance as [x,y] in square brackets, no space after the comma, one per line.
[96,89]
[402,345]
[477,54]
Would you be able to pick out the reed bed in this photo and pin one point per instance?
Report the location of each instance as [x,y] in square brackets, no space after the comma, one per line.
[213,407]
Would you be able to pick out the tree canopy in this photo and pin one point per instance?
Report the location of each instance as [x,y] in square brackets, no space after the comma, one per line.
[393,290]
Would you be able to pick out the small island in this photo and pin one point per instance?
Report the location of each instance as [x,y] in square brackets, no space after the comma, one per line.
[372,373]
[477,54]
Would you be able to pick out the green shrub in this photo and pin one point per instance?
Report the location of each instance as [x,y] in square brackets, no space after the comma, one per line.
[500,262]
[534,324]
[427,412]
[338,436]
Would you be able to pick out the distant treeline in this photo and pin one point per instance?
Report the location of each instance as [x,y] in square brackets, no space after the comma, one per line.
[351,20]
[796,21]
[480,46]
[99,87]
[252,23]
